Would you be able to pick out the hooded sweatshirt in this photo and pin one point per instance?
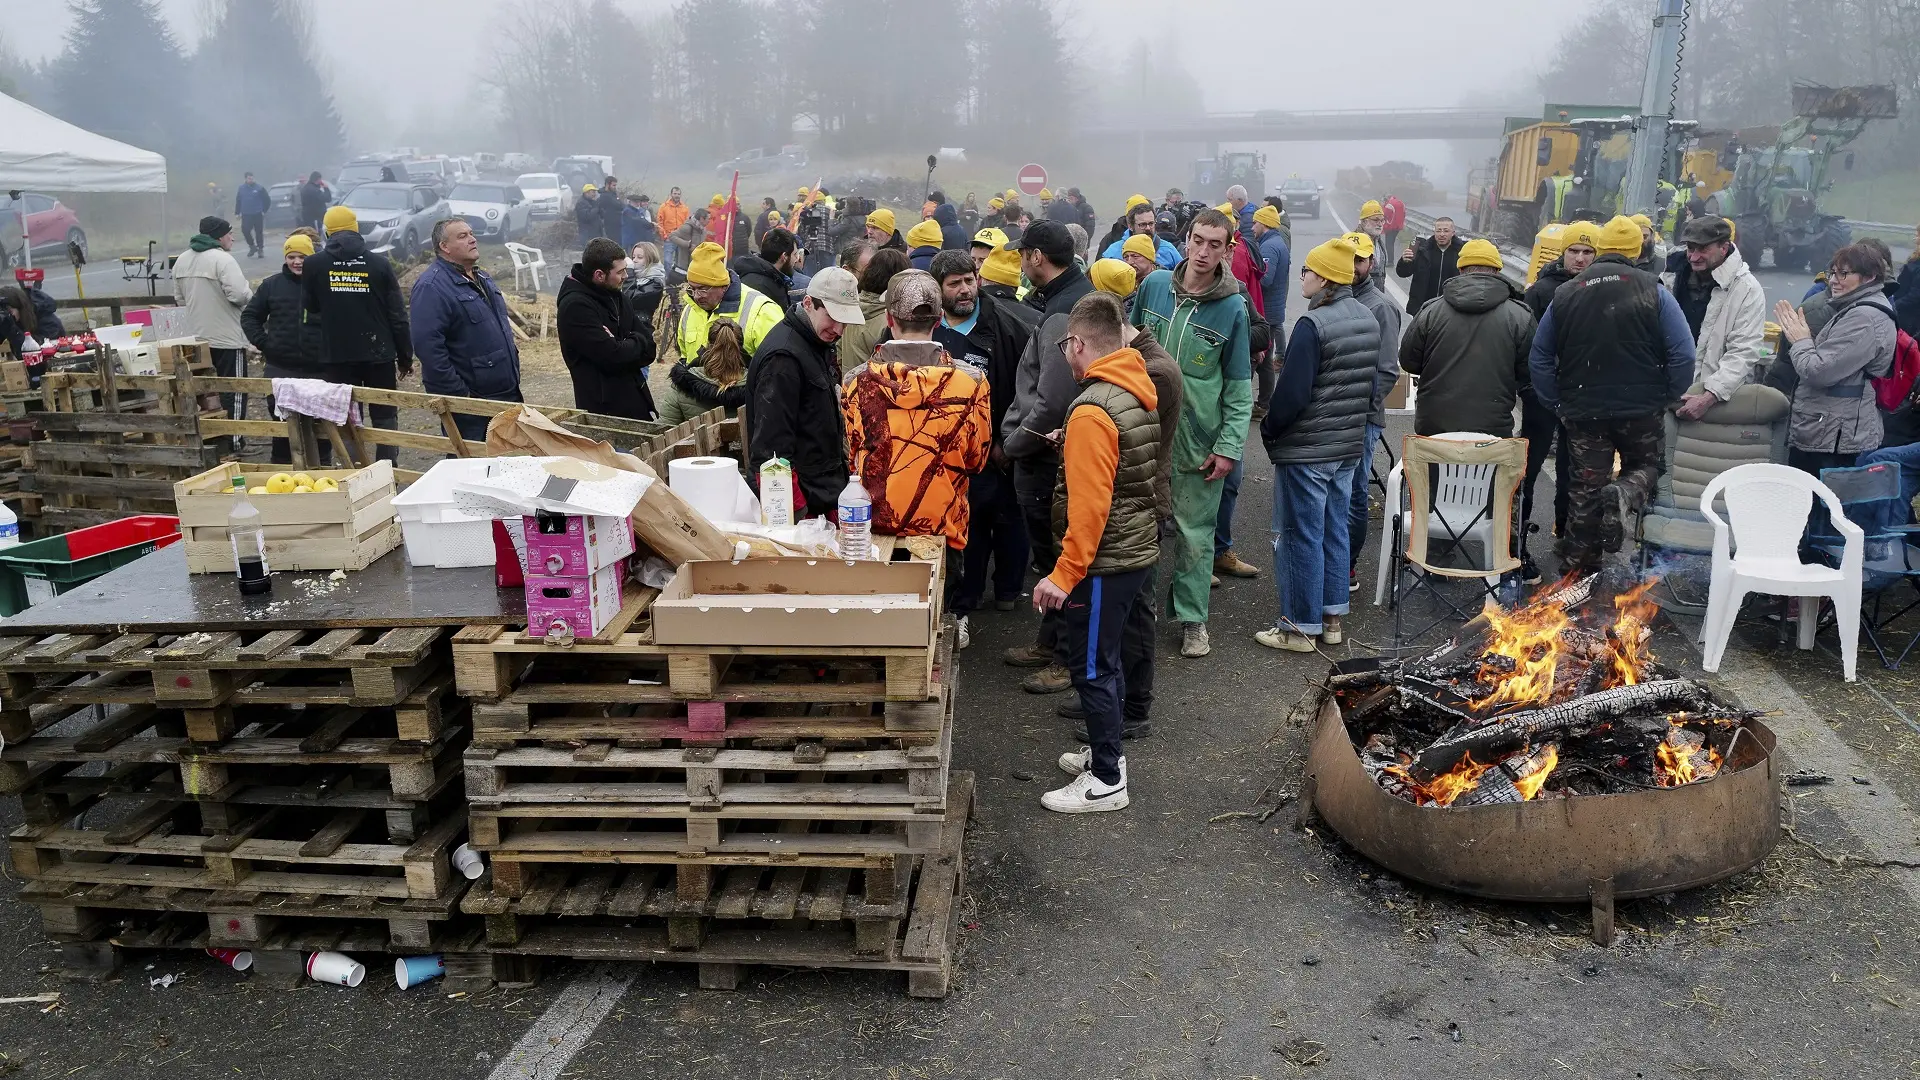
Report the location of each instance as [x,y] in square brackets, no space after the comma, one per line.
[952,236]
[1470,351]
[1091,474]
[353,291]
[915,434]
[1207,334]
[208,282]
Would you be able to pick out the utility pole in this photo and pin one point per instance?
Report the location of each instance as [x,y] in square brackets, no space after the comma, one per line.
[1657,95]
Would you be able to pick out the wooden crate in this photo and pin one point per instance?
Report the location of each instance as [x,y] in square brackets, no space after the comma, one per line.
[321,530]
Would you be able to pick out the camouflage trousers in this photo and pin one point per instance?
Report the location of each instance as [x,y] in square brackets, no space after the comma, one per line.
[1592,445]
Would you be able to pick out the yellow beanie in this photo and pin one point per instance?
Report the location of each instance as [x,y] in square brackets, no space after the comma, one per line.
[297,245]
[1142,246]
[1362,244]
[925,234]
[717,200]
[1012,195]
[989,238]
[1267,216]
[801,192]
[1045,194]
[996,203]
[1619,237]
[774,218]
[1002,268]
[1371,208]
[1227,209]
[1642,220]
[1481,253]
[340,219]
[1580,232]
[1113,276]
[881,219]
[1333,261]
[708,266]
[1138,199]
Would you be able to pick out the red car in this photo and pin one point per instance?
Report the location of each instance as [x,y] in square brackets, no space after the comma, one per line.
[51,226]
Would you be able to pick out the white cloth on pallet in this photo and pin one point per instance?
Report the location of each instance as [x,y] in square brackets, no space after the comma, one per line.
[317,398]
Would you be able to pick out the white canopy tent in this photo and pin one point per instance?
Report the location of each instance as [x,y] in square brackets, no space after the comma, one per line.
[42,151]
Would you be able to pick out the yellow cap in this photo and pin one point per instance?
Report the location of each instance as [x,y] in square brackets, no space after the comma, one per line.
[1138,199]
[1619,237]
[1371,208]
[708,266]
[881,219]
[996,203]
[990,238]
[1138,244]
[1267,216]
[925,234]
[801,192]
[1642,220]
[717,200]
[1584,233]
[1046,193]
[1362,244]
[340,219]
[584,188]
[1482,253]
[1113,276]
[1002,268]
[1333,261]
[297,245]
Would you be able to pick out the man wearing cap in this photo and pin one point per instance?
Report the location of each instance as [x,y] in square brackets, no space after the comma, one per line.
[1386,372]
[715,292]
[1199,314]
[985,243]
[587,215]
[882,230]
[1428,263]
[1649,259]
[1120,230]
[636,222]
[1059,210]
[923,243]
[793,394]
[1277,278]
[1538,425]
[1373,222]
[1000,279]
[1611,356]
[276,324]
[1470,350]
[1140,253]
[461,332]
[994,215]
[364,334]
[209,284]
[1726,309]
[1043,389]
[1140,223]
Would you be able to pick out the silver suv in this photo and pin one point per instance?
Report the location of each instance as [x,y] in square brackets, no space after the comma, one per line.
[397,218]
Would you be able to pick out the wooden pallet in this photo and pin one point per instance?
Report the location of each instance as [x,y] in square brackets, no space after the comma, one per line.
[602,915]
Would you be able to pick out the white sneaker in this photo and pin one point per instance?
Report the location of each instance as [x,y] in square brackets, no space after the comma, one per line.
[966,637]
[1086,794]
[1079,761]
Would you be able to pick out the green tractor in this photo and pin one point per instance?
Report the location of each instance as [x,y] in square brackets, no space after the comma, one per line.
[1774,200]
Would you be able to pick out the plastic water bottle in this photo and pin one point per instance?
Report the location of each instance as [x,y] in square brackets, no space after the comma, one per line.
[249,543]
[9,526]
[856,520]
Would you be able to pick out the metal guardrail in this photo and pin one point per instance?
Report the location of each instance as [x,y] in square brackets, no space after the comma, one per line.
[1878,226]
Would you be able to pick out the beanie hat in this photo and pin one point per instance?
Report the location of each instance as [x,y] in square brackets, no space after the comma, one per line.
[1227,209]
[800,193]
[1642,220]
[1481,253]
[1137,199]
[1012,195]
[925,234]
[1113,276]
[881,219]
[213,227]
[1002,268]
[989,238]
[1619,237]
[1584,233]
[297,245]
[1362,244]
[1046,193]
[708,266]
[340,219]
[1371,208]
[1333,261]
[1142,246]
[717,200]
[774,218]
[1267,216]
[996,203]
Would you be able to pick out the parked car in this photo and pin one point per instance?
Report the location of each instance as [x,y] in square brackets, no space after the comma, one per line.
[397,218]
[756,161]
[519,162]
[1300,196]
[577,172]
[437,173]
[368,170]
[496,211]
[51,226]
[284,210]
[546,194]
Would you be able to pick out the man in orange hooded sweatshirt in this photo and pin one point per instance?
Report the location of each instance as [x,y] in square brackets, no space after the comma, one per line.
[1103,514]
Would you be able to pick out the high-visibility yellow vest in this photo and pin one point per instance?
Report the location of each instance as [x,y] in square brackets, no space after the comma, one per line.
[755,313]
[1562,187]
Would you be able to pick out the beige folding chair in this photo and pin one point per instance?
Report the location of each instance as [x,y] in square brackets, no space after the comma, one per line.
[1465,490]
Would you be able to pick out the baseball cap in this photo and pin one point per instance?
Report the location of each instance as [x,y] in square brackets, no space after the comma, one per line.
[1707,230]
[990,238]
[1049,238]
[838,291]
[913,294]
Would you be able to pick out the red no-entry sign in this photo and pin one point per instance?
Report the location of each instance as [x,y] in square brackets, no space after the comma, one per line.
[1033,179]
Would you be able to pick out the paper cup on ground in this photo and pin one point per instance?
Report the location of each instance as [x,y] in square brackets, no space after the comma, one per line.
[336,968]
[237,959]
[468,862]
[414,970]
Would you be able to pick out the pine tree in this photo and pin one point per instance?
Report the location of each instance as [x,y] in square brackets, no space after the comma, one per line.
[268,110]
[121,74]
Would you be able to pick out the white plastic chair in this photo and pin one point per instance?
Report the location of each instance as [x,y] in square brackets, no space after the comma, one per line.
[1768,506]
[1460,497]
[528,261]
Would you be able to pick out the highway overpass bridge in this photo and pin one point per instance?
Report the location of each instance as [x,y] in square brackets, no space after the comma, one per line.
[1332,125]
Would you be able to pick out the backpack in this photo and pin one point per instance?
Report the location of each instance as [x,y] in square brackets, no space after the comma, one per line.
[1894,389]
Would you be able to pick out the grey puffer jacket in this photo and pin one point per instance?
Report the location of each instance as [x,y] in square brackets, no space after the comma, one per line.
[1470,349]
[1386,370]
[1834,410]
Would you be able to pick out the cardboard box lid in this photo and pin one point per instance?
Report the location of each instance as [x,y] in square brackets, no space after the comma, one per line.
[796,601]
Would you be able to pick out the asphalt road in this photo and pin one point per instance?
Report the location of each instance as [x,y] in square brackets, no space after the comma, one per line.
[1181,938]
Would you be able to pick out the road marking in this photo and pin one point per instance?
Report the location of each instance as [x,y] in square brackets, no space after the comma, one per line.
[560,1033]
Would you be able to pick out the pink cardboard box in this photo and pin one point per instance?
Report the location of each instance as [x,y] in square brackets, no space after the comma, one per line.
[569,545]
[581,606]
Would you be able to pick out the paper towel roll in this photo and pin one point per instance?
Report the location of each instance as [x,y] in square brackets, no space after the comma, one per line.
[711,485]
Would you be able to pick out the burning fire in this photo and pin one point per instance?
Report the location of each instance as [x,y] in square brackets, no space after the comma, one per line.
[1628,637]
[1529,637]
[1456,783]
[1684,757]
[1529,785]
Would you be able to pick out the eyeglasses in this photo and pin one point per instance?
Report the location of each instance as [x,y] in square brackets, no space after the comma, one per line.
[1066,344]
[1834,272]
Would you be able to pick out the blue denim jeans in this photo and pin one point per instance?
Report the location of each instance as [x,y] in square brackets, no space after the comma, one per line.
[1908,458]
[1357,519]
[1310,558]
[1229,497]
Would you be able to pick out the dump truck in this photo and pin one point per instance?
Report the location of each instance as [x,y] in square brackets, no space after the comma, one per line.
[1587,144]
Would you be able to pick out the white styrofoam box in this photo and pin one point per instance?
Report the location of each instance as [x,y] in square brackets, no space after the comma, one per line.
[137,359]
[435,530]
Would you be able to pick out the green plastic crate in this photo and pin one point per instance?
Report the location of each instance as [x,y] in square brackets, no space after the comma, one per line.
[34,572]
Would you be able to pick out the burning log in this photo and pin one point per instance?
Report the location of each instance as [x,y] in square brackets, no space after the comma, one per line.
[1581,713]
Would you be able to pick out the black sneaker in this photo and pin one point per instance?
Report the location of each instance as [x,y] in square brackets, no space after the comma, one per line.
[1613,517]
[1529,571]
[1070,710]
[1132,730]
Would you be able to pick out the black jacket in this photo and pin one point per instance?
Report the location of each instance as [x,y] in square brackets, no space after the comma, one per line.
[1428,268]
[764,278]
[952,236]
[612,203]
[994,345]
[46,315]
[356,297]
[1119,232]
[1058,296]
[1609,343]
[793,411]
[1540,293]
[313,202]
[897,243]
[276,322]
[587,215]
[605,348]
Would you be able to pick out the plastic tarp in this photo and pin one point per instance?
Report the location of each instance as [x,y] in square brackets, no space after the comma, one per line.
[45,152]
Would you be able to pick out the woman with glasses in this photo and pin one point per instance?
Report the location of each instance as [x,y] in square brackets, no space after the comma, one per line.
[1835,415]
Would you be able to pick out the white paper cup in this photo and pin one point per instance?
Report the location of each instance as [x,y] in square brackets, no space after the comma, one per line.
[468,862]
[336,968]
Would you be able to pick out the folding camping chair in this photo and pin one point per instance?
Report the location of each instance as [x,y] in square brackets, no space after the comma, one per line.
[1460,488]
[1870,498]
